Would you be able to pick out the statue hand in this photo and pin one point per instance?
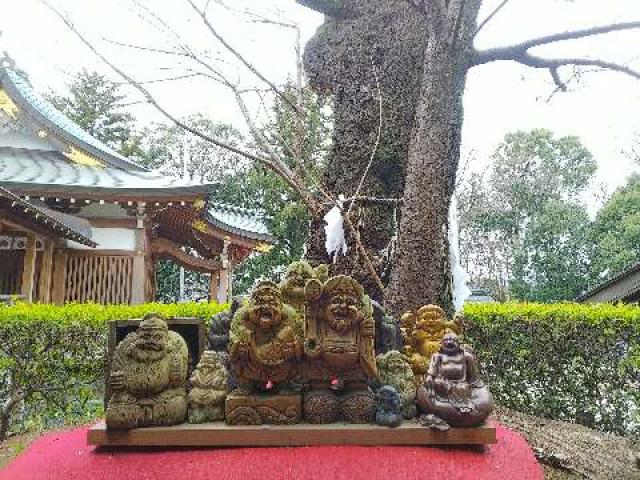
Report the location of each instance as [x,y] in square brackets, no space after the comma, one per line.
[116,380]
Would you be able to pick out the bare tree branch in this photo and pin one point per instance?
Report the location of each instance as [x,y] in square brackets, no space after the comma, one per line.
[276,166]
[511,51]
[490,17]
[241,57]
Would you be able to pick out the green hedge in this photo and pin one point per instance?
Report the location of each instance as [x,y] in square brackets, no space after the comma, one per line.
[575,362]
[52,359]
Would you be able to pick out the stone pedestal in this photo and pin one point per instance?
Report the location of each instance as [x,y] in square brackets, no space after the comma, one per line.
[277,409]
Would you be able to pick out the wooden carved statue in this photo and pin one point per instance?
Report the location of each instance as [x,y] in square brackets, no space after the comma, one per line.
[265,351]
[453,391]
[147,377]
[294,281]
[208,389]
[339,351]
[394,370]
[422,332]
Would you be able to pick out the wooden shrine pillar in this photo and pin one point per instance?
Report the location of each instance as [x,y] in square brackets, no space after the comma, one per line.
[29,268]
[46,271]
[59,276]
[221,281]
[139,287]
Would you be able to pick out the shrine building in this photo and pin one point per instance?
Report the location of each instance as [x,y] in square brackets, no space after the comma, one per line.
[81,223]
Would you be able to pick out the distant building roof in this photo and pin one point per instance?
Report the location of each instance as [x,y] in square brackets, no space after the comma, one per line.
[241,221]
[57,223]
[623,287]
[480,296]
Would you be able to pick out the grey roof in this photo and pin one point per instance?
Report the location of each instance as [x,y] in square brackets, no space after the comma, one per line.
[30,172]
[239,221]
[625,286]
[66,226]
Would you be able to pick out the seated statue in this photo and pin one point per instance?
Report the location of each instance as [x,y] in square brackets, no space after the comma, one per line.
[208,389]
[294,281]
[422,332]
[265,350]
[339,352]
[388,407]
[453,391]
[265,343]
[394,370]
[147,378]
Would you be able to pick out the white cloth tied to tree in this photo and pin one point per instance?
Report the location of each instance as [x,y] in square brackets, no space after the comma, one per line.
[334,230]
[458,274]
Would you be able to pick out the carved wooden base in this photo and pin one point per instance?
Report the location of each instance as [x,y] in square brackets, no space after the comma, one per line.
[219,434]
[259,409]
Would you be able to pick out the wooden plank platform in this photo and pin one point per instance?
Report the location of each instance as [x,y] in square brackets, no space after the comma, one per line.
[219,434]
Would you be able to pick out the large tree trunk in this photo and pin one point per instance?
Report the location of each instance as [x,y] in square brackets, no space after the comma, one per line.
[421,271]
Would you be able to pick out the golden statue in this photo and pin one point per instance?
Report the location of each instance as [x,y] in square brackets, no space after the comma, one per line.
[147,377]
[208,389]
[265,351]
[339,351]
[423,332]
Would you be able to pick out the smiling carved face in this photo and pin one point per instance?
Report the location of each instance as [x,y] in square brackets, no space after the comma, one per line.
[266,312]
[342,312]
[450,344]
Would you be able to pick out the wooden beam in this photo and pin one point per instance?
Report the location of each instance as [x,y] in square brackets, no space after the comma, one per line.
[164,248]
[46,271]
[139,273]
[220,434]
[59,276]
[29,268]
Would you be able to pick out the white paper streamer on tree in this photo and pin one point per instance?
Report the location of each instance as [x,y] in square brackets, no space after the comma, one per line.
[334,230]
[458,274]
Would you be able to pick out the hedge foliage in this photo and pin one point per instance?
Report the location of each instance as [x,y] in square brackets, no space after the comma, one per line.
[52,359]
[565,361]
[574,362]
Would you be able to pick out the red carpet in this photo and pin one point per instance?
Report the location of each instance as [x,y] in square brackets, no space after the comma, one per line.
[66,456]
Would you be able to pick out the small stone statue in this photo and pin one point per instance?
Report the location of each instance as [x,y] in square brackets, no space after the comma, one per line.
[422,332]
[388,407]
[148,375]
[394,370]
[265,343]
[388,334]
[339,352]
[209,389]
[294,281]
[452,390]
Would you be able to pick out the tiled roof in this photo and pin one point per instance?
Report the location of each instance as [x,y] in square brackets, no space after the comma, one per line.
[29,172]
[61,224]
[240,221]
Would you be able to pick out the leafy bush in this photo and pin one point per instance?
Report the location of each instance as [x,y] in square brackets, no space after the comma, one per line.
[52,359]
[574,362]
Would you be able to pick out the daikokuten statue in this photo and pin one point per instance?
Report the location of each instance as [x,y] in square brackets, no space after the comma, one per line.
[394,370]
[339,351]
[294,281]
[422,332]
[208,389]
[147,377]
[453,391]
[265,352]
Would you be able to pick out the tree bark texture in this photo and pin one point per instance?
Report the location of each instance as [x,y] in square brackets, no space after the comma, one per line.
[387,39]
[421,270]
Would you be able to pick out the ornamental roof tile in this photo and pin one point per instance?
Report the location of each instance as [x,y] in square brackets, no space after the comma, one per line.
[240,221]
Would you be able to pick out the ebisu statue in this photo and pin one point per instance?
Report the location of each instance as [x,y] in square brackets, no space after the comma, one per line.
[147,378]
[265,350]
[339,352]
[208,388]
[452,392]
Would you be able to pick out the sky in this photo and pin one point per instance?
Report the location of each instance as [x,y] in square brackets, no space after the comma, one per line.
[603,109]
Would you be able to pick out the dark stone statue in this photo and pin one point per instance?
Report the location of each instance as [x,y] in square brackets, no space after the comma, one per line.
[453,391]
[388,407]
[147,377]
[388,333]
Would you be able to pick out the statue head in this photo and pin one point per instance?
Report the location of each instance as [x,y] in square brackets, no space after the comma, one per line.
[266,306]
[210,371]
[296,278]
[430,318]
[450,344]
[388,398]
[152,334]
[343,303]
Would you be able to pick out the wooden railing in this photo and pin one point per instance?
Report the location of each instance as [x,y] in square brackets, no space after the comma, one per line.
[98,278]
